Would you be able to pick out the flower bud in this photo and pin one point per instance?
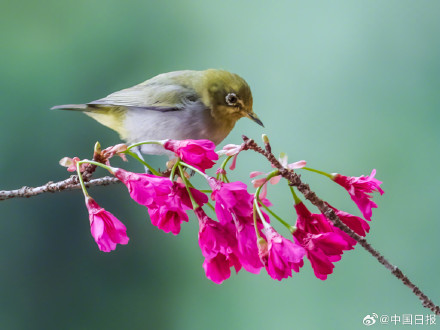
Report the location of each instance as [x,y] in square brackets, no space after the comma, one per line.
[97,148]
[70,163]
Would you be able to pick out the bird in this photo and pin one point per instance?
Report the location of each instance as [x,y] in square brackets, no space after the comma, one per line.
[177,105]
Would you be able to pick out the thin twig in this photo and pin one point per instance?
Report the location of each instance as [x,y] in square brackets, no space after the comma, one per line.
[294,180]
[68,184]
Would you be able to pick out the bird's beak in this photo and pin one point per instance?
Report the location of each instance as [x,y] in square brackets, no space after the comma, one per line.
[255,118]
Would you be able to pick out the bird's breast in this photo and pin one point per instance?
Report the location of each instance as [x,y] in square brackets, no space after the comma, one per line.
[189,123]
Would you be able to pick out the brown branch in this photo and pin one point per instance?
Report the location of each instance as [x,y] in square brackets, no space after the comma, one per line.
[68,184]
[294,180]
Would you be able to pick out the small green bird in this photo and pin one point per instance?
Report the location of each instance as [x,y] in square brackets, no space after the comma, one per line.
[176,105]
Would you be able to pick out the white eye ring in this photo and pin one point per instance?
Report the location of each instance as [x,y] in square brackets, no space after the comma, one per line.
[231,99]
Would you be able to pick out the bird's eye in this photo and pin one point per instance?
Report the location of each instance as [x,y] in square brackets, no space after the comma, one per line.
[231,99]
[192,98]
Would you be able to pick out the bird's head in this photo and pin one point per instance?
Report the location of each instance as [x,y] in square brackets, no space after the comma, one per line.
[228,96]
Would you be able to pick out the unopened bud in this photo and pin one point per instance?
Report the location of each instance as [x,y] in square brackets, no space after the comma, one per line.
[266,143]
[97,148]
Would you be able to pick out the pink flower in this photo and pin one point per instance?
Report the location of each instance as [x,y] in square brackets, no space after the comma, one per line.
[280,256]
[324,243]
[357,224]
[231,150]
[292,166]
[218,244]
[146,189]
[198,153]
[262,181]
[106,229]
[322,251]
[360,189]
[247,246]
[274,180]
[172,211]
[70,163]
[220,171]
[232,199]
[167,201]
[115,150]
[168,218]
[234,205]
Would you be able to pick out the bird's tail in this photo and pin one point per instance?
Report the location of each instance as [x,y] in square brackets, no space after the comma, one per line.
[74,107]
[110,116]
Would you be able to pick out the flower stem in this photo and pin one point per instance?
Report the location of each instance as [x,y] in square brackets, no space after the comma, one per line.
[257,198]
[268,177]
[187,183]
[203,191]
[295,196]
[255,210]
[192,168]
[173,170]
[211,206]
[318,171]
[223,175]
[160,142]
[81,181]
[132,154]
[276,217]
[225,162]
[272,174]
[108,168]
[260,214]
[257,207]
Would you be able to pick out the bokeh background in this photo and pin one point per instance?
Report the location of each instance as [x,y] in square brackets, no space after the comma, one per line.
[347,85]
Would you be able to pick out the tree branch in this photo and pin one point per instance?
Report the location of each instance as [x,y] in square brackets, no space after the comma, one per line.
[304,188]
[71,183]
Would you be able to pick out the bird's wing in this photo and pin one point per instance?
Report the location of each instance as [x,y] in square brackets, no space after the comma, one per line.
[153,96]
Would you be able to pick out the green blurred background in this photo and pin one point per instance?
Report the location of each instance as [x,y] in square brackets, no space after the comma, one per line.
[347,85]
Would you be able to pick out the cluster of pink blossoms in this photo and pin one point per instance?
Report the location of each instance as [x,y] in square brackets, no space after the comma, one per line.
[242,236]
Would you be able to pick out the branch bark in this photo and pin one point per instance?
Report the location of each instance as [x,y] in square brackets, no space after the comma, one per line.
[71,183]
